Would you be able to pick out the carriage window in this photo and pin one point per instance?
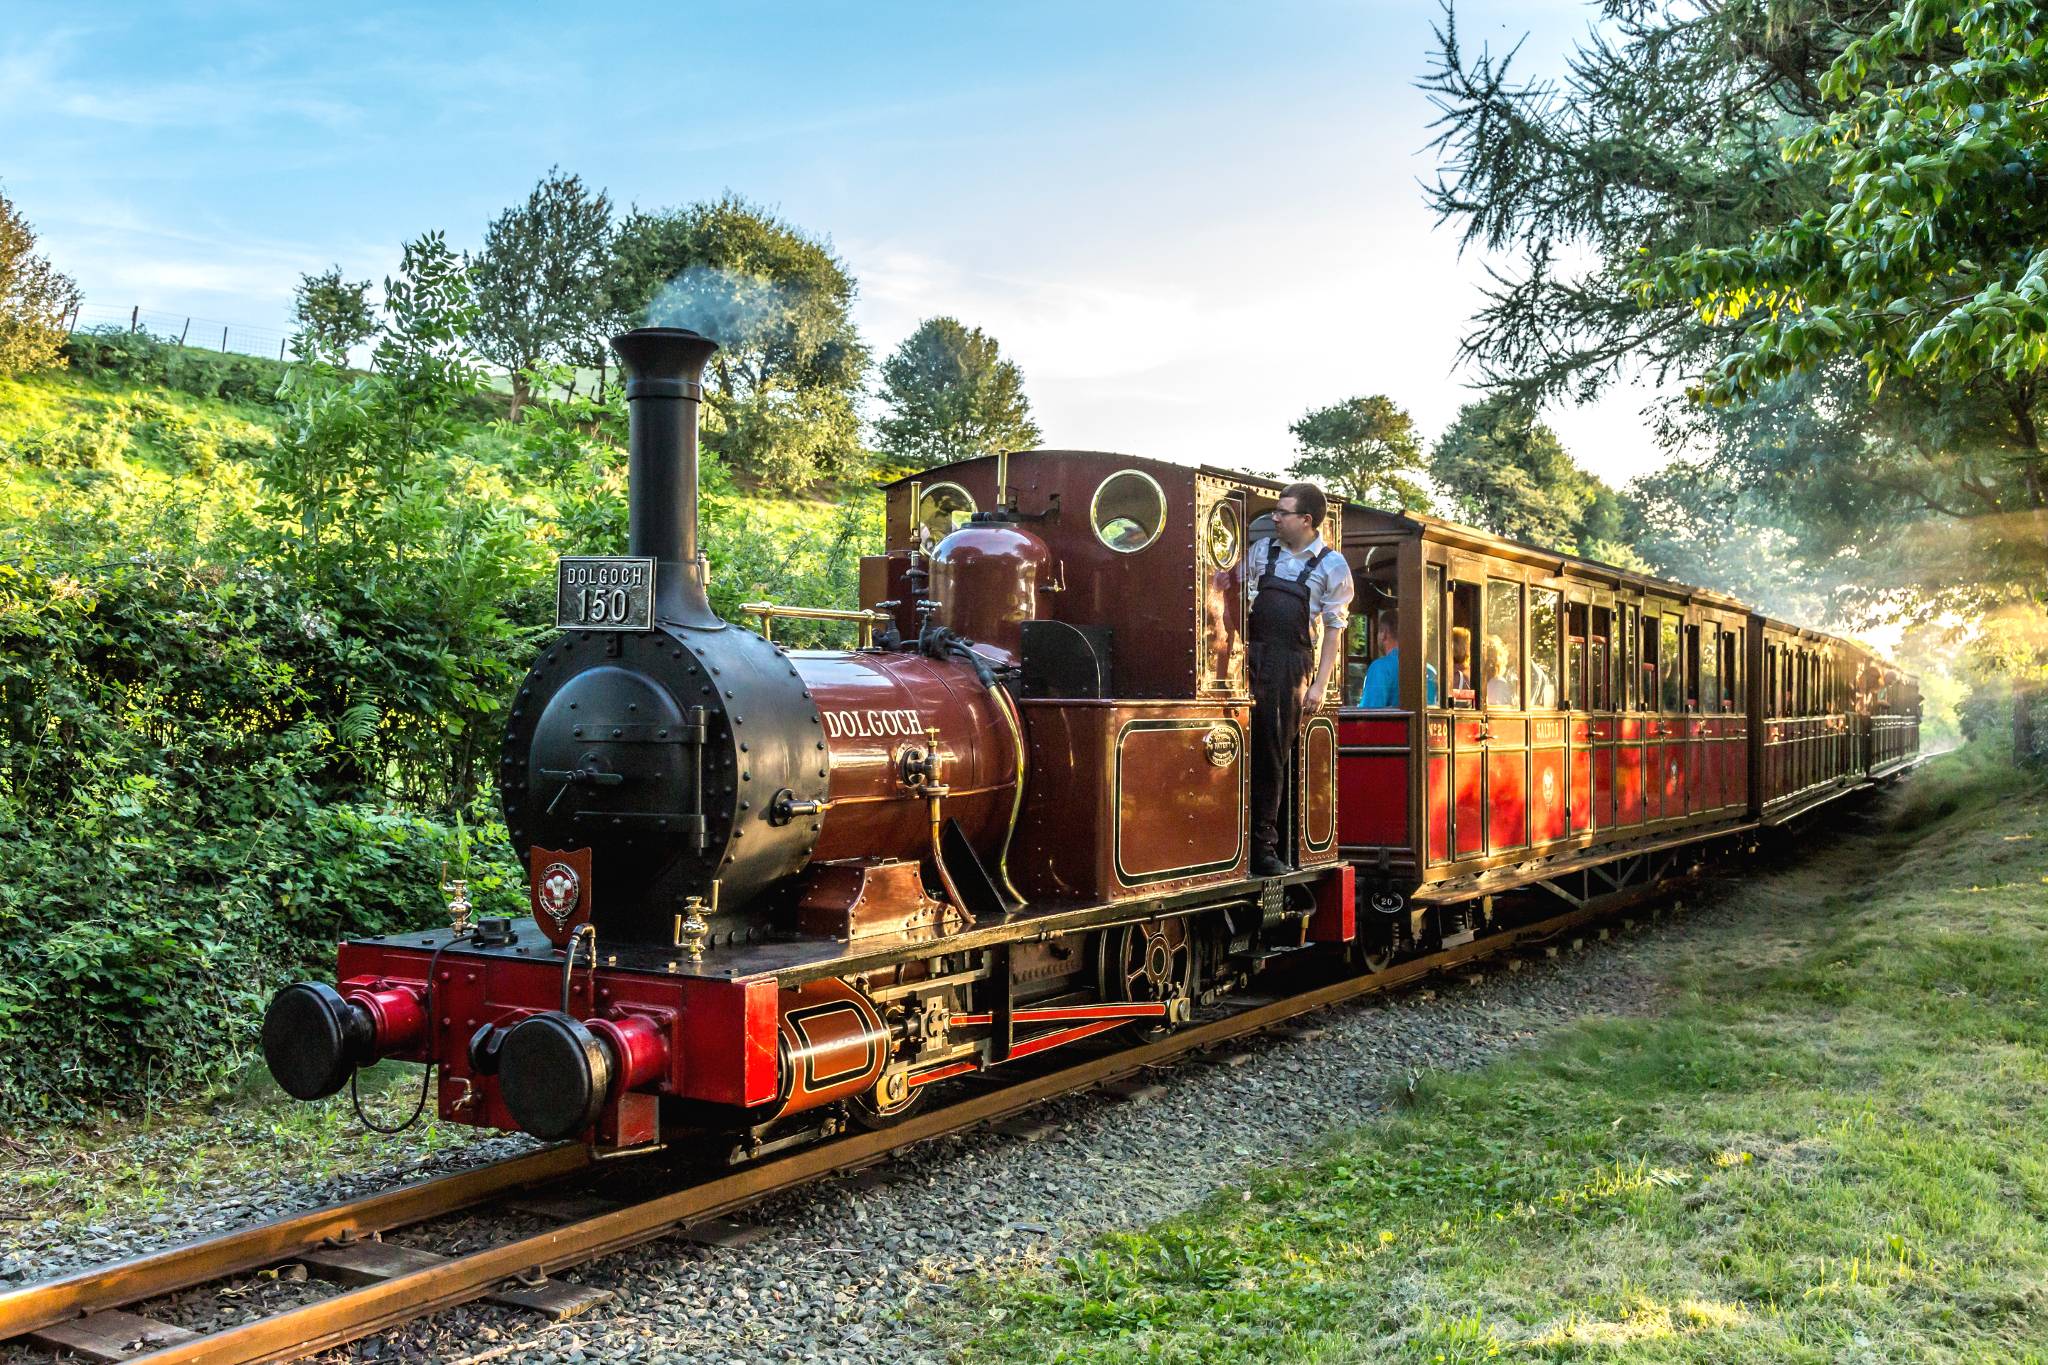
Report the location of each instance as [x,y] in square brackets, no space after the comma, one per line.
[1128,511]
[1462,674]
[1731,670]
[1373,614]
[1501,659]
[1575,652]
[1710,670]
[1433,635]
[1692,667]
[1545,607]
[1673,696]
[1770,680]
[1601,649]
[1646,664]
[1625,657]
[941,510]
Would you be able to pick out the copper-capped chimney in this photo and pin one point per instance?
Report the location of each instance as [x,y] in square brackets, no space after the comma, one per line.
[664,369]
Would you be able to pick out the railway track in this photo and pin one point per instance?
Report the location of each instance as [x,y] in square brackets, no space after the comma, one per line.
[385,1284]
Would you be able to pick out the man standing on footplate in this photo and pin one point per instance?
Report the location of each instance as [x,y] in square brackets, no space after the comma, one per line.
[1301,599]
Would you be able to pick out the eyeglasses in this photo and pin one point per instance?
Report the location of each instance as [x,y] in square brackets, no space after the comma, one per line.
[1287,512]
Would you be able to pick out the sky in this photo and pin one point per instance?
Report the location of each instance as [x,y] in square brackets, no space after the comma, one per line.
[1187,223]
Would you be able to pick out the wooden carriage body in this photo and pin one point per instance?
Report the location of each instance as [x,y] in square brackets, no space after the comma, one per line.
[1555,714]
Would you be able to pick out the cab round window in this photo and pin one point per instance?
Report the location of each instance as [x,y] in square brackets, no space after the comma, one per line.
[1129,511]
[941,510]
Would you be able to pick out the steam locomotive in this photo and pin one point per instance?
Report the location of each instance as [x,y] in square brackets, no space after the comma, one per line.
[778,891]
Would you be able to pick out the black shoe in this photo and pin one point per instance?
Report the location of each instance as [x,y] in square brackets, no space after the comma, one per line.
[1269,865]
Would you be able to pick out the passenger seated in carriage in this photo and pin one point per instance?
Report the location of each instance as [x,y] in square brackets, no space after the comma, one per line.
[1461,666]
[1503,682]
[1383,675]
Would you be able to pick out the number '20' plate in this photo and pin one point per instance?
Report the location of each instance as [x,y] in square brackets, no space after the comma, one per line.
[604,592]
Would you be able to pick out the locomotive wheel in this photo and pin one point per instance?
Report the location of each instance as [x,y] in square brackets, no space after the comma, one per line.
[1154,960]
[873,1109]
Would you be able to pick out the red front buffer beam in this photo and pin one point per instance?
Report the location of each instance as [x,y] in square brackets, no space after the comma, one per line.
[314,1037]
[556,1074]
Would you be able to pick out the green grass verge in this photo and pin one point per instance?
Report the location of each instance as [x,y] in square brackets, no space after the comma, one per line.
[1829,1143]
[119,1166]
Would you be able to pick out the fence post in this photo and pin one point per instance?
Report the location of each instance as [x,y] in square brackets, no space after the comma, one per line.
[134,318]
[223,341]
[187,332]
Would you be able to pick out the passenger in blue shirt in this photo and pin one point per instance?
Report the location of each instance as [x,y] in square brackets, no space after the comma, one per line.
[1383,675]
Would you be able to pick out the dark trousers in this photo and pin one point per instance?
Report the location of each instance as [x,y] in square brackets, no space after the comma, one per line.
[1279,680]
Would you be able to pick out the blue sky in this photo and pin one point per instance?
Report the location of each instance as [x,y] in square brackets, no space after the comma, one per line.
[1188,223]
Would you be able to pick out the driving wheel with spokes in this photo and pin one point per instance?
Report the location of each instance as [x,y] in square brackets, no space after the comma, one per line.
[1153,960]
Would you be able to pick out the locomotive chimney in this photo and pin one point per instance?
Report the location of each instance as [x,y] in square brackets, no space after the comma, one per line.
[664,369]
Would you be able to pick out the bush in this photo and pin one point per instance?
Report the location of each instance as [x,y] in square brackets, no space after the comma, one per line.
[142,359]
[89,441]
[171,848]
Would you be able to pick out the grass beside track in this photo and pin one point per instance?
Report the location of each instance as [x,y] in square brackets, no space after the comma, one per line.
[1829,1142]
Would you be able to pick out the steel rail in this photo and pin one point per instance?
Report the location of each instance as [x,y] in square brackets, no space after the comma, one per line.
[362,1311]
[35,1306]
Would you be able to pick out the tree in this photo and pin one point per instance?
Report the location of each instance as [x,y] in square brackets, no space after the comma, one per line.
[540,280]
[783,388]
[1509,474]
[332,316]
[1663,134]
[35,298]
[1695,522]
[950,395]
[1364,448]
[412,551]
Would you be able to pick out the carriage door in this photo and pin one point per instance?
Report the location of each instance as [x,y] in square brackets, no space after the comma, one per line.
[1546,686]
[1465,723]
[1505,735]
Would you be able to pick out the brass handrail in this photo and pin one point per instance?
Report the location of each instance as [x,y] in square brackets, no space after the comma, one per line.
[863,617]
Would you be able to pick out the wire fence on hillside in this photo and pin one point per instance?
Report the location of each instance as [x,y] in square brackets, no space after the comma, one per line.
[209,334]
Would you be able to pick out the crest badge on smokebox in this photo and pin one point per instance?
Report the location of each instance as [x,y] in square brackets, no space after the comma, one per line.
[559,884]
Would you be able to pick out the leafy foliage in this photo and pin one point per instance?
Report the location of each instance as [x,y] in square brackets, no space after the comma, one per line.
[142,359]
[1663,135]
[36,299]
[1693,523]
[949,395]
[1365,449]
[332,316]
[166,848]
[1927,258]
[540,281]
[781,405]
